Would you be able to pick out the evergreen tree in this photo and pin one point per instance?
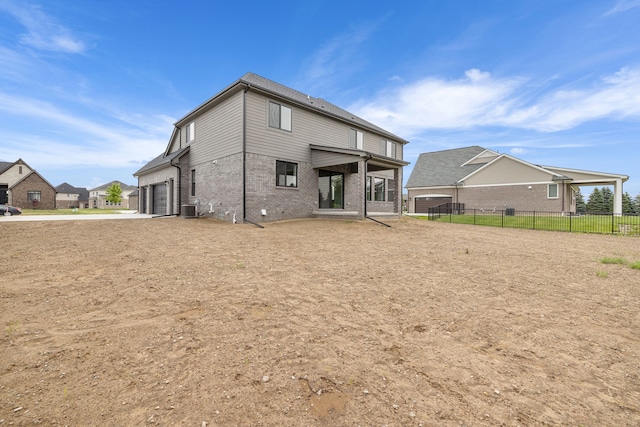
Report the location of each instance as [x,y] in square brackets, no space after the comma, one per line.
[595,204]
[608,197]
[636,204]
[581,206]
[114,193]
[627,204]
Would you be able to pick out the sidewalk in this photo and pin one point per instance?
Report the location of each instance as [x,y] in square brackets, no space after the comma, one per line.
[80,217]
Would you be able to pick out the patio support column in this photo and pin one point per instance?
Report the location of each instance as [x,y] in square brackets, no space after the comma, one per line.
[617,197]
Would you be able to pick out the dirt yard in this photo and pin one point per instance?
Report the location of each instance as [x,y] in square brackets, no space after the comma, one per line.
[178,322]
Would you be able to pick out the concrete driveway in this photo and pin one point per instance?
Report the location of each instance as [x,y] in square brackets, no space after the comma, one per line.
[72,217]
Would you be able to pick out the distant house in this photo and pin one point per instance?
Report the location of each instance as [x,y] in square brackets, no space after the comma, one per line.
[23,187]
[98,196]
[261,151]
[484,179]
[68,196]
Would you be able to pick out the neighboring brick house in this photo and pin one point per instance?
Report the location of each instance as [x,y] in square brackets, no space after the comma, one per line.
[98,196]
[68,196]
[260,151]
[23,187]
[484,179]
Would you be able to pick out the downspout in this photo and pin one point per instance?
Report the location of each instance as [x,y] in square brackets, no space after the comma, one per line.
[244,157]
[179,176]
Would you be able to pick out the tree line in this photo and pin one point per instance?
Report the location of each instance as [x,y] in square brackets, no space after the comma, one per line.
[601,201]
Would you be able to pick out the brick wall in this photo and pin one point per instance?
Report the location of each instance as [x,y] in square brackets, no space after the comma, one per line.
[33,183]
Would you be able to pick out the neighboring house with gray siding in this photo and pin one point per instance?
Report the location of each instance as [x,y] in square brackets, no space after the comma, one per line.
[484,179]
[259,151]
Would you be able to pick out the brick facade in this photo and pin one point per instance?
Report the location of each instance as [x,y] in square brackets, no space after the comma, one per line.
[33,182]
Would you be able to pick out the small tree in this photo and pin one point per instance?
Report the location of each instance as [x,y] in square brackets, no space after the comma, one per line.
[114,193]
[636,204]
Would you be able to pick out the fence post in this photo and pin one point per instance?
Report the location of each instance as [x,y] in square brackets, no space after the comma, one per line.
[502,218]
[570,222]
[612,223]
[534,220]
[474,216]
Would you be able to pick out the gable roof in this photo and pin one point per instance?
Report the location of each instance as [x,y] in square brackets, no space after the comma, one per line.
[253,81]
[83,193]
[33,172]
[161,161]
[451,167]
[123,186]
[444,168]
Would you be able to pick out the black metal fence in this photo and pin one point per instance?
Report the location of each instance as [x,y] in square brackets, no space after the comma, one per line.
[600,223]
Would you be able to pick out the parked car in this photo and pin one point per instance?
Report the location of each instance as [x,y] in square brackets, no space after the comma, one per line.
[9,210]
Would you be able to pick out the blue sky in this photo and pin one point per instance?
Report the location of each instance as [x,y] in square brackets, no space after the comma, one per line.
[89,90]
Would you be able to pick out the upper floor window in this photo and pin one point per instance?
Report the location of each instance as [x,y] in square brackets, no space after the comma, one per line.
[356,139]
[279,116]
[552,191]
[286,174]
[191,132]
[388,148]
[20,170]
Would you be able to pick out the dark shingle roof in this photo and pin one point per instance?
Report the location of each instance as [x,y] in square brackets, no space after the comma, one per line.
[160,161]
[443,168]
[316,104]
[5,165]
[83,193]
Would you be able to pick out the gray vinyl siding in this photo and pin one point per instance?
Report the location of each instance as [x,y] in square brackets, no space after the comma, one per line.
[307,127]
[218,131]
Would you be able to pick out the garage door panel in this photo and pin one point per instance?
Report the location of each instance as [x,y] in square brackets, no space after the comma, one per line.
[160,199]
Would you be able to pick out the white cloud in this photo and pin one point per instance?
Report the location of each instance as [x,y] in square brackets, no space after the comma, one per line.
[433,103]
[338,57]
[479,100]
[623,6]
[518,151]
[65,139]
[43,31]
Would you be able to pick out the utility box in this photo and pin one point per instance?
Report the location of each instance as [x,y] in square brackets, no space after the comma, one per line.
[188,211]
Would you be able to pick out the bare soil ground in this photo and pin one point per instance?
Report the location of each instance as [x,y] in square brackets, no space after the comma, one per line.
[316,323]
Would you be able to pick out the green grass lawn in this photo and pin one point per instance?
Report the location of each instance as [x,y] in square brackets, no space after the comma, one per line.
[603,224]
[88,211]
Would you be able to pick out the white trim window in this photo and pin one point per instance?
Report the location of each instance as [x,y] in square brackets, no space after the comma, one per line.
[388,148]
[191,132]
[356,139]
[552,191]
[279,116]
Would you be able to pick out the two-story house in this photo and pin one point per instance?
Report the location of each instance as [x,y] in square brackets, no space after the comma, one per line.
[98,196]
[68,196]
[260,151]
[22,186]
